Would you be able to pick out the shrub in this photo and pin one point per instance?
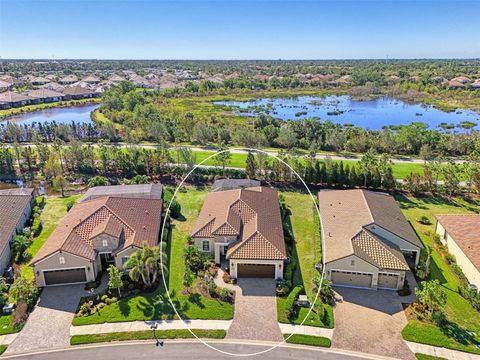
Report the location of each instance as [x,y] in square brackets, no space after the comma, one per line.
[40,201]
[175,208]
[424,220]
[283,287]
[98,181]
[70,204]
[291,300]
[36,226]
[450,258]
[104,298]
[290,269]
[85,308]
[212,289]
[188,277]
[225,295]
[196,260]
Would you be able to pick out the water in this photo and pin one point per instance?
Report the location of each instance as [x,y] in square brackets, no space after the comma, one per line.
[372,114]
[78,114]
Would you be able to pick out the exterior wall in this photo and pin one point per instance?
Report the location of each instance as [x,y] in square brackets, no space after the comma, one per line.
[5,258]
[401,243]
[470,271]
[199,243]
[278,266]
[127,252]
[112,243]
[52,262]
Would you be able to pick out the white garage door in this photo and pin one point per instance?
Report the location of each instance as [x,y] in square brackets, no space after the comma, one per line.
[387,281]
[350,278]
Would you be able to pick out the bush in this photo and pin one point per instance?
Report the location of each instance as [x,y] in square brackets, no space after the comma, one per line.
[36,226]
[290,269]
[104,298]
[70,204]
[175,208]
[291,301]
[424,220]
[196,260]
[188,277]
[450,258]
[85,308]
[40,201]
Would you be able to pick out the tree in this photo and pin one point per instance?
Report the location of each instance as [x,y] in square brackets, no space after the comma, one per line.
[195,260]
[251,166]
[223,158]
[367,164]
[145,264]
[23,289]
[97,181]
[451,180]
[59,181]
[431,295]
[114,278]
[19,244]
[187,156]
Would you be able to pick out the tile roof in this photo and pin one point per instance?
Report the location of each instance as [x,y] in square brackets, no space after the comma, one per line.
[344,213]
[252,214]
[77,90]
[12,206]
[43,93]
[11,97]
[138,219]
[464,229]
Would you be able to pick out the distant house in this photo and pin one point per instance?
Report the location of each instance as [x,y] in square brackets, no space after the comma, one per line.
[244,227]
[38,80]
[44,95]
[67,80]
[77,93]
[116,78]
[5,85]
[15,209]
[367,240]
[53,86]
[476,84]
[10,79]
[461,79]
[95,234]
[9,99]
[461,235]
[140,191]
[455,84]
[91,79]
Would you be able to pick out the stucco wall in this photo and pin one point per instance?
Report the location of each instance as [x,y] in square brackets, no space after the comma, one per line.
[127,252]
[199,241]
[5,258]
[470,271]
[71,261]
[112,243]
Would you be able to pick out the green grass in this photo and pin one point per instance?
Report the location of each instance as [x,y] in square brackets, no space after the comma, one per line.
[145,335]
[459,311]
[54,210]
[428,357]
[307,250]
[308,340]
[155,305]
[6,326]
[3,348]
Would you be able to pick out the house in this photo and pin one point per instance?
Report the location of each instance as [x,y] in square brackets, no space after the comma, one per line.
[15,209]
[39,80]
[461,235]
[95,234]
[67,80]
[243,227]
[368,243]
[5,85]
[229,184]
[141,191]
[476,84]
[44,95]
[10,99]
[455,84]
[116,78]
[91,79]
[77,93]
[53,86]
[461,79]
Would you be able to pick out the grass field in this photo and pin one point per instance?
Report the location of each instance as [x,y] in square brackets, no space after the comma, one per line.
[155,305]
[308,340]
[463,317]
[146,335]
[307,250]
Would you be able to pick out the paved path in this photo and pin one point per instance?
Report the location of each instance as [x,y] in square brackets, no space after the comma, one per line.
[255,315]
[371,322]
[306,330]
[440,352]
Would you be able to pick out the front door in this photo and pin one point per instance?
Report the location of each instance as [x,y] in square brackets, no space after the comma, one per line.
[107,259]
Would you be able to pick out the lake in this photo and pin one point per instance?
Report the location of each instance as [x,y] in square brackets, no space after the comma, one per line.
[65,115]
[371,114]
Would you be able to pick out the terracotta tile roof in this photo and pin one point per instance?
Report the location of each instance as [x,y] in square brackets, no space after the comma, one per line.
[252,214]
[464,229]
[12,97]
[43,93]
[12,206]
[77,90]
[344,213]
[138,219]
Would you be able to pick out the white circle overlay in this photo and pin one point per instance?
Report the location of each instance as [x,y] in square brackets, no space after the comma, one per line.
[253,150]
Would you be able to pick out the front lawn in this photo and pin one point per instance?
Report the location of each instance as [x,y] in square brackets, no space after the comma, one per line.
[6,326]
[307,251]
[462,316]
[428,357]
[145,335]
[156,305]
[308,340]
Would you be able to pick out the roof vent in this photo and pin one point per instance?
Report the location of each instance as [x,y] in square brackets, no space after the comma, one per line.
[329,234]
[144,227]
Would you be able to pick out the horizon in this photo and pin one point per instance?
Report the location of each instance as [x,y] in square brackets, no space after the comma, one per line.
[249,30]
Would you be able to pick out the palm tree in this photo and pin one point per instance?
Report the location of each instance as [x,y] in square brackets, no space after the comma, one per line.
[145,263]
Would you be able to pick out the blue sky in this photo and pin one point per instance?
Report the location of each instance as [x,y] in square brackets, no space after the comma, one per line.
[229,29]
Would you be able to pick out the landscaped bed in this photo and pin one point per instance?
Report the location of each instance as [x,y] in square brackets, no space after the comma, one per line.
[156,305]
[308,340]
[463,320]
[146,335]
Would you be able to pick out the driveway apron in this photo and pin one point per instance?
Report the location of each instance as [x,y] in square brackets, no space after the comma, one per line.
[255,311]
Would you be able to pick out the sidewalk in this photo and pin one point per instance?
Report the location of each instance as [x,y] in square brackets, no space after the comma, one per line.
[306,330]
[440,352]
[7,339]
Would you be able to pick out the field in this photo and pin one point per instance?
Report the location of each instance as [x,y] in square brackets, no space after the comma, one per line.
[462,316]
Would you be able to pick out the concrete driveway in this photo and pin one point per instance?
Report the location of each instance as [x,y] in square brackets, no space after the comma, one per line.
[371,322]
[48,326]
[255,311]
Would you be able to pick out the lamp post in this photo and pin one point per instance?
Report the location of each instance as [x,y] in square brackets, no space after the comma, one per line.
[154,327]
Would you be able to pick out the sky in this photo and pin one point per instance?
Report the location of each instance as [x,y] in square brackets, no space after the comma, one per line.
[239,29]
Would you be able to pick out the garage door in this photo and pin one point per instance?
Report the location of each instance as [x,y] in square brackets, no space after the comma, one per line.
[254,270]
[68,276]
[348,278]
[387,281]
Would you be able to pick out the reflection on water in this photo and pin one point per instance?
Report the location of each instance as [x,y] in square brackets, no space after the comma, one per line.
[372,114]
[78,114]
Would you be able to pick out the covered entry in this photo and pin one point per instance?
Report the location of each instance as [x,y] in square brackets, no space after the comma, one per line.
[256,270]
[351,278]
[65,276]
[388,281]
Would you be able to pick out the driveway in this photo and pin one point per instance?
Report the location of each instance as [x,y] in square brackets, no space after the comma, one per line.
[255,311]
[371,322]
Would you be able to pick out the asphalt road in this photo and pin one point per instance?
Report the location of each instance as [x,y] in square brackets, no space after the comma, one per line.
[183,350]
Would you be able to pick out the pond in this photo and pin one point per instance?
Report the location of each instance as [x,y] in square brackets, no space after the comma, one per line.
[65,115]
[371,114]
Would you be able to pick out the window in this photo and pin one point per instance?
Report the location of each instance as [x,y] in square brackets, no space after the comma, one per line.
[124,259]
[105,242]
[352,263]
[206,245]
[445,236]
[62,260]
